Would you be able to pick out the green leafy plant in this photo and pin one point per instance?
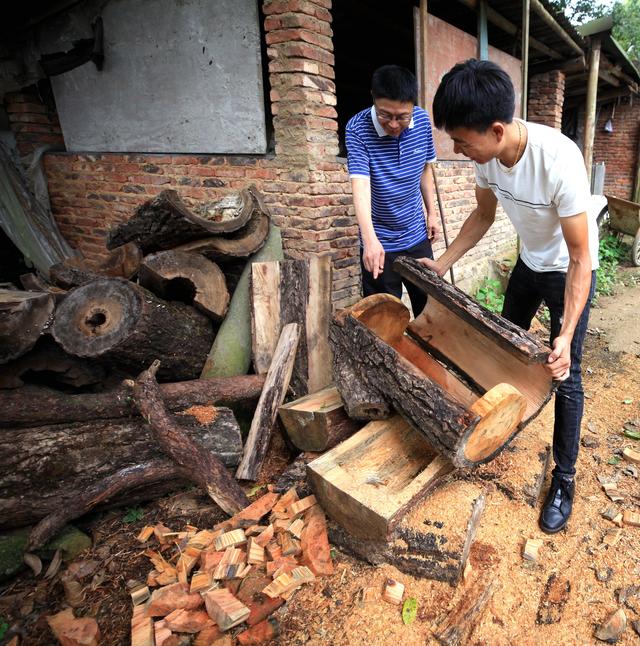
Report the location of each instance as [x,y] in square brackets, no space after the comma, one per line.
[4,626]
[409,610]
[133,514]
[612,253]
[490,295]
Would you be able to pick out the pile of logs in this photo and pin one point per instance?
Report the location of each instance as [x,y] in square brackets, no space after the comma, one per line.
[210,581]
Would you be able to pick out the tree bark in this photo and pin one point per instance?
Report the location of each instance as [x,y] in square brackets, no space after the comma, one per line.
[186,277]
[166,222]
[45,469]
[124,325]
[70,273]
[18,407]
[239,244]
[273,393]
[202,465]
[23,317]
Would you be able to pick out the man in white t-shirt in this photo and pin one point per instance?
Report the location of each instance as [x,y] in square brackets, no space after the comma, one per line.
[538,176]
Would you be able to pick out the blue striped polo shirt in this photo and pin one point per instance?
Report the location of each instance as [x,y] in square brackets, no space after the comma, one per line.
[394,166]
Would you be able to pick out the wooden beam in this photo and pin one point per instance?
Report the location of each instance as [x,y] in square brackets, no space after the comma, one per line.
[423,53]
[608,78]
[537,6]
[590,108]
[500,21]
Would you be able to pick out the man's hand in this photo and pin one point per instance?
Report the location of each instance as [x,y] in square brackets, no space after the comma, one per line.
[559,361]
[433,265]
[373,257]
[433,232]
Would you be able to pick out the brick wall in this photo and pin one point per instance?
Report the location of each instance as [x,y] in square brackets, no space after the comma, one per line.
[619,149]
[33,123]
[546,97]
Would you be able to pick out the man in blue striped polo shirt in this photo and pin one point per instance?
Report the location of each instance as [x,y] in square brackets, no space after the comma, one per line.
[389,148]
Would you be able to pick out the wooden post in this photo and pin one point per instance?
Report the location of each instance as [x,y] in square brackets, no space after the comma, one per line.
[525,59]
[423,82]
[590,108]
[636,190]
[483,31]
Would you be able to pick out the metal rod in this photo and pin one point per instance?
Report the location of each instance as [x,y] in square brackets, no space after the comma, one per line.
[444,226]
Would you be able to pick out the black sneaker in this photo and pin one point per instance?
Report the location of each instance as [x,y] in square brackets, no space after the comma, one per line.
[557,507]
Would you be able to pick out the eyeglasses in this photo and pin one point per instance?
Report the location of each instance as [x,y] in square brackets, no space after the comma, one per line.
[400,118]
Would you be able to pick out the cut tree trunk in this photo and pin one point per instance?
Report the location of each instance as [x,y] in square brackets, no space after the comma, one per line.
[18,409]
[294,291]
[369,482]
[70,273]
[317,422]
[47,361]
[166,222]
[230,353]
[203,466]
[273,393]
[45,469]
[186,277]
[433,541]
[122,262]
[123,324]
[467,427]
[23,318]
[239,244]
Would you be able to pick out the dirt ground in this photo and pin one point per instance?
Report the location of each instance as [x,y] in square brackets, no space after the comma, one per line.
[599,578]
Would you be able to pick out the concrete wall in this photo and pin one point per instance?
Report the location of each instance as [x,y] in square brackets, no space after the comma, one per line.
[179,75]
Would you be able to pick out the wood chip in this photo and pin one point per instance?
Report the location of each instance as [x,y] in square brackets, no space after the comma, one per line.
[140,594]
[630,455]
[201,580]
[255,552]
[300,506]
[393,591]
[230,539]
[531,547]
[225,609]
[145,534]
[631,518]
[296,527]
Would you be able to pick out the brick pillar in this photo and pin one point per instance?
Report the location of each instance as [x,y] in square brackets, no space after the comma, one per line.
[32,122]
[546,96]
[312,197]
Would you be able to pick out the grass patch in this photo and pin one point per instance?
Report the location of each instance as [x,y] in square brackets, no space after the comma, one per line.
[490,294]
[612,253]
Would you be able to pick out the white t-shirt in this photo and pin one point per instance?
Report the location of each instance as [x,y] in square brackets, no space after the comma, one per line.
[549,182]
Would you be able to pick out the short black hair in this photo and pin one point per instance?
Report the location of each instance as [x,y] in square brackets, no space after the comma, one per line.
[395,83]
[474,94]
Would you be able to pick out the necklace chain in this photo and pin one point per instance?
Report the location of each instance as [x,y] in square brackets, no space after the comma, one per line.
[518,151]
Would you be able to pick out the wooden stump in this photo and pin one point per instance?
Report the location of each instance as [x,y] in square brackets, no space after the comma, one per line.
[44,468]
[165,221]
[186,277]
[317,422]
[463,425]
[123,324]
[23,317]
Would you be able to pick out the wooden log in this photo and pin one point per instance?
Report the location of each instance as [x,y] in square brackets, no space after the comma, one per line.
[166,222]
[230,353]
[47,361]
[205,468]
[18,409]
[71,273]
[456,627]
[122,262]
[188,278]
[47,468]
[23,318]
[127,478]
[240,244]
[125,325]
[370,481]
[432,541]
[294,291]
[273,393]
[317,422]
[466,426]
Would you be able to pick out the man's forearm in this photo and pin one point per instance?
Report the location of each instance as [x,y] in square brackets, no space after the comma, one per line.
[576,292]
[474,227]
[426,188]
[361,190]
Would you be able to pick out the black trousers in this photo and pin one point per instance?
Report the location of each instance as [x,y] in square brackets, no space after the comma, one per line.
[389,282]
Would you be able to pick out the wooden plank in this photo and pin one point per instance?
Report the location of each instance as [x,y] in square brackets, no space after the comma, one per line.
[265,313]
[317,422]
[318,318]
[273,394]
[371,480]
